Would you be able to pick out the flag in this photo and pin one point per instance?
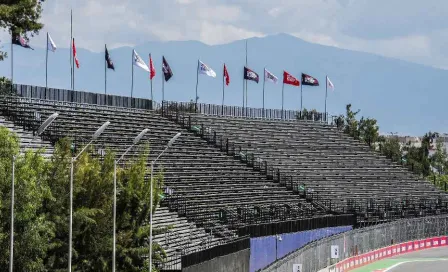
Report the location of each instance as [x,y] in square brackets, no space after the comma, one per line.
[289,79]
[330,84]
[309,80]
[139,61]
[19,40]
[166,69]
[204,69]
[250,75]
[51,46]
[152,70]
[226,75]
[74,54]
[109,62]
[270,76]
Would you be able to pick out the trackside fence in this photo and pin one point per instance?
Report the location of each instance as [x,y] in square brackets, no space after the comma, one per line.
[317,255]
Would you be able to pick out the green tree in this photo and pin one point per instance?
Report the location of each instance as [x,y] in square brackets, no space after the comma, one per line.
[351,124]
[439,158]
[368,130]
[133,213]
[32,229]
[391,148]
[20,16]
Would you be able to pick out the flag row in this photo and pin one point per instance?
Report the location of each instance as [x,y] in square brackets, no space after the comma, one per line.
[249,74]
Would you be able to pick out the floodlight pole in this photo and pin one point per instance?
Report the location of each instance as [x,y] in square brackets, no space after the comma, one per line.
[72,162]
[41,129]
[170,143]
[136,141]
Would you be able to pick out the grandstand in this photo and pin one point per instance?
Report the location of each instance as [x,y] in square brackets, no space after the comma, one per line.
[225,173]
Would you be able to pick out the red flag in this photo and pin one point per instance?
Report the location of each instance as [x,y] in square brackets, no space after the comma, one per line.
[226,75]
[289,79]
[74,54]
[152,70]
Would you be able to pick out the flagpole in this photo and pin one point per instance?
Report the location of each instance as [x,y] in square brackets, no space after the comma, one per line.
[283,91]
[246,80]
[150,78]
[264,80]
[223,78]
[46,66]
[12,62]
[132,67]
[71,49]
[163,83]
[105,71]
[243,91]
[326,90]
[73,64]
[301,96]
[197,82]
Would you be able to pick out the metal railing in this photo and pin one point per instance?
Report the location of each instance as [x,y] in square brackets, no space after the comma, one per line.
[316,256]
[82,97]
[242,112]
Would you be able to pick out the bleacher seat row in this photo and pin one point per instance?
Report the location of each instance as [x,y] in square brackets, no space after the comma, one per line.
[200,177]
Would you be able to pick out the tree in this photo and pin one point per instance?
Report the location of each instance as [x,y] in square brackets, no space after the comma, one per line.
[390,147]
[439,158]
[20,16]
[32,228]
[351,124]
[368,130]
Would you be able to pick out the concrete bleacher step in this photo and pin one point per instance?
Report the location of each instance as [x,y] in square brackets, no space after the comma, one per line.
[26,137]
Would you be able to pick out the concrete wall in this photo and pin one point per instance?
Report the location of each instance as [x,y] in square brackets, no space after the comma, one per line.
[235,262]
[265,249]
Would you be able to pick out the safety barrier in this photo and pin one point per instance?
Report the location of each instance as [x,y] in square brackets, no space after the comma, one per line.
[387,252]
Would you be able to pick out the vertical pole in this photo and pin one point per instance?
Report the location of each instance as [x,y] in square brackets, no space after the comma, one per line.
[73,63]
[11,255]
[163,87]
[71,49]
[12,62]
[150,60]
[264,80]
[301,97]
[223,86]
[163,83]
[197,82]
[71,218]
[243,90]
[46,66]
[115,217]
[150,218]
[246,80]
[132,68]
[283,95]
[326,90]
[105,71]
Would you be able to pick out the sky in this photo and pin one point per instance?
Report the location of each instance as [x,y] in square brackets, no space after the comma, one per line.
[410,30]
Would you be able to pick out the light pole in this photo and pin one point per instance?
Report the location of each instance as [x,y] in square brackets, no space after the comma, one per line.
[136,141]
[170,143]
[94,137]
[40,130]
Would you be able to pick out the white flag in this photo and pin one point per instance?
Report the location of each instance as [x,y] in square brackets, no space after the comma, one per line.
[139,61]
[270,76]
[204,69]
[330,84]
[51,46]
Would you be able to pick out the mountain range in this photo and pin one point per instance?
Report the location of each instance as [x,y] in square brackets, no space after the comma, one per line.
[404,97]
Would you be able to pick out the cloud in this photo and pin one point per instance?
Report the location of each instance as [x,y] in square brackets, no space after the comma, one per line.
[413,31]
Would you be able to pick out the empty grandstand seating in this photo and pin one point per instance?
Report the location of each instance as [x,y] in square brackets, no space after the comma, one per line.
[204,182]
[27,138]
[320,159]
